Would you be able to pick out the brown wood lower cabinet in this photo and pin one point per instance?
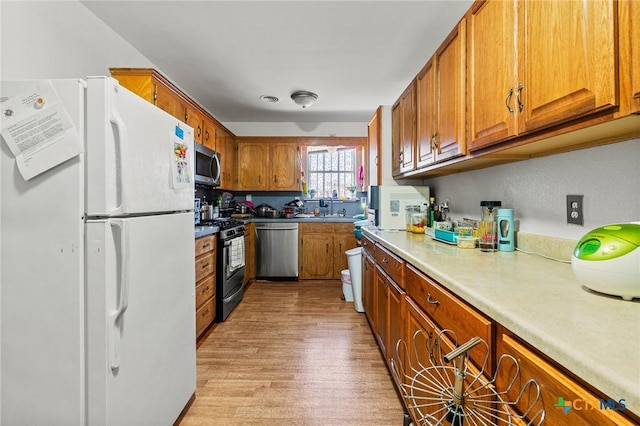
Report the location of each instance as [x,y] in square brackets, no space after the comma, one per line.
[428,310]
[396,332]
[368,277]
[381,309]
[322,249]
[451,313]
[205,251]
[557,388]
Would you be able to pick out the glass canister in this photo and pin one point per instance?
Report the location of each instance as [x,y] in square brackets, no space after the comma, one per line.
[418,222]
[410,210]
[487,226]
[490,209]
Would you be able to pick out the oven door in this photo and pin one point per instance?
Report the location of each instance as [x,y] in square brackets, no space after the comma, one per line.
[232,264]
[208,166]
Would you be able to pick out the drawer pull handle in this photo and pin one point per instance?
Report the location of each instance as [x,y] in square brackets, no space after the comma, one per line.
[206,246]
[385,260]
[430,300]
[205,265]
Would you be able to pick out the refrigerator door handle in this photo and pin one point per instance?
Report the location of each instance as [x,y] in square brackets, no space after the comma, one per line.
[120,135]
[119,226]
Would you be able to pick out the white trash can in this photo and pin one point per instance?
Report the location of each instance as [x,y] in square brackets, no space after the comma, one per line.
[354,260]
[347,289]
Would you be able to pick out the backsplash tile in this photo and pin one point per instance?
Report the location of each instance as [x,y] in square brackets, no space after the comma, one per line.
[557,248]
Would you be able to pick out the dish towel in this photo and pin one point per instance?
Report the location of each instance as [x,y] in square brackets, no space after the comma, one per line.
[237,253]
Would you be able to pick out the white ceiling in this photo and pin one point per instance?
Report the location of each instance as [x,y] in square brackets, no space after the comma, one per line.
[354,54]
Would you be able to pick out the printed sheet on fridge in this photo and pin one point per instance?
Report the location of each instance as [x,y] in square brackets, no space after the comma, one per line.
[38,130]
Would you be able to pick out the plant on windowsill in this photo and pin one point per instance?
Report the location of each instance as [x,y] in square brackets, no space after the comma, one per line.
[352,191]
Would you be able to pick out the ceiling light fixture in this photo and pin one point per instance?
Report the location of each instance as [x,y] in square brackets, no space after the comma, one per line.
[303,98]
[268,98]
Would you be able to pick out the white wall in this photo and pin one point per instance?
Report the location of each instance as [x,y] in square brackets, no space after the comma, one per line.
[59,39]
[608,177]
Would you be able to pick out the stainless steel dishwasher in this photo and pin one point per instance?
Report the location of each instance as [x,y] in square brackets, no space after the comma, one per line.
[277,251]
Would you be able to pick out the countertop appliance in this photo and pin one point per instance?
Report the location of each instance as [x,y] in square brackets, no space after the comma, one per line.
[97,306]
[607,260]
[208,167]
[230,263]
[277,251]
[387,204]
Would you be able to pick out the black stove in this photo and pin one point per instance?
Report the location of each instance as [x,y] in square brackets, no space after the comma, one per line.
[229,228]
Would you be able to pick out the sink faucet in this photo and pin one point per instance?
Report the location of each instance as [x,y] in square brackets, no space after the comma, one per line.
[323,204]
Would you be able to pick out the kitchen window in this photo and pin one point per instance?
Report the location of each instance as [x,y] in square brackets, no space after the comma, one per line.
[332,171]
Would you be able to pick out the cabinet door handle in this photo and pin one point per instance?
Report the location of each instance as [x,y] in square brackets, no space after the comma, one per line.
[507,101]
[520,104]
[206,135]
[199,130]
[259,178]
[275,178]
[385,260]
[431,301]
[376,160]
[327,248]
[401,157]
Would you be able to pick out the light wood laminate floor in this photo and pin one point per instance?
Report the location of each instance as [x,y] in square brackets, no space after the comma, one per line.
[293,353]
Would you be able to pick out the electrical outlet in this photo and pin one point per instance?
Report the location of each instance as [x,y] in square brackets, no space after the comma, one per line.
[574,210]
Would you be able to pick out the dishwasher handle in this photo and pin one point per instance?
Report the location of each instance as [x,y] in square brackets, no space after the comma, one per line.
[276,227]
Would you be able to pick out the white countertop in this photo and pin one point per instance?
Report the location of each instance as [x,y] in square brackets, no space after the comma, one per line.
[596,337]
[203,231]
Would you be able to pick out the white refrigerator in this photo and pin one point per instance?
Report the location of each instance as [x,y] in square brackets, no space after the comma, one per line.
[97,304]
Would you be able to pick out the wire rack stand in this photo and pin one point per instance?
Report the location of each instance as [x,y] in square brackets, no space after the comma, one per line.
[446,389]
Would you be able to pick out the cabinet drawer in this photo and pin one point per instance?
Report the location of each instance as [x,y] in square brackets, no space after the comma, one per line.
[553,384]
[449,312]
[368,245]
[205,315]
[205,265]
[205,244]
[205,289]
[391,264]
[315,228]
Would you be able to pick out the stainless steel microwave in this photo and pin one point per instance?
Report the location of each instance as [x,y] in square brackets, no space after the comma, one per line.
[207,166]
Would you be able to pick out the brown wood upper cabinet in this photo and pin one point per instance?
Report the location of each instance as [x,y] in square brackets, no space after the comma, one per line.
[440,105]
[193,118]
[153,87]
[225,144]
[403,135]
[209,133]
[374,149]
[268,166]
[629,30]
[536,64]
